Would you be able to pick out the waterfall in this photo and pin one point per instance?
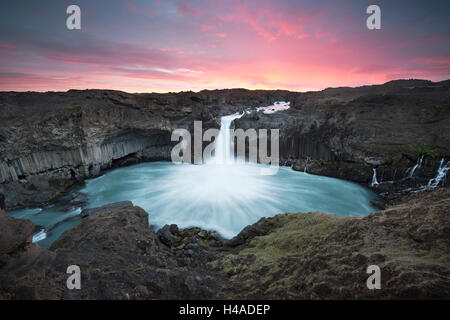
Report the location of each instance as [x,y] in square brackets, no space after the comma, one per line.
[224,147]
[41,235]
[374,178]
[441,174]
[410,172]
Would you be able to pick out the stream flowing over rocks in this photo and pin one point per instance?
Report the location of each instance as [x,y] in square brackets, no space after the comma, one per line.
[51,141]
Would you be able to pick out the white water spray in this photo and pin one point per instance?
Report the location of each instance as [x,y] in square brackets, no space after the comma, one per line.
[441,174]
[41,235]
[410,171]
[225,146]
[374,178]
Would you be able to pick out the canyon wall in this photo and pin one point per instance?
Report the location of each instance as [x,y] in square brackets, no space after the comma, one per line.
[52,141]
[348,132]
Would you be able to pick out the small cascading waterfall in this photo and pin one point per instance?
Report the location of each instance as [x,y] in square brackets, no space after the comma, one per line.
[224,147]
[410,172]
[432,183]
[41,235]
[441,174]
[374,178]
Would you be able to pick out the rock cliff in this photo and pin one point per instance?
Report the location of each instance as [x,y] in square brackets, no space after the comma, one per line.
[51,141]
[348,132]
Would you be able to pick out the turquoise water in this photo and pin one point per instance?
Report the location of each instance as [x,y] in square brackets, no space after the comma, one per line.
[224,198]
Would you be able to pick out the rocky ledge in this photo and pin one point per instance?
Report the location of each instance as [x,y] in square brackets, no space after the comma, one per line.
[290,256]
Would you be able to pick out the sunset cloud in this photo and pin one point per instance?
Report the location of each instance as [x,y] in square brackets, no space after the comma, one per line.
[142,45]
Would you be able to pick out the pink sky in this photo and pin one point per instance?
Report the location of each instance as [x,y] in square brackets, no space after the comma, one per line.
[161,46]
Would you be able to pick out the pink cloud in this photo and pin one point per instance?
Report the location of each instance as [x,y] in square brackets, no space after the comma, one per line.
[206,27]
[321,34]
[434,60]
[274,45]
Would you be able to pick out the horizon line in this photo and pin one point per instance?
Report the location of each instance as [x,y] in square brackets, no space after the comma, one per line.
[223,89]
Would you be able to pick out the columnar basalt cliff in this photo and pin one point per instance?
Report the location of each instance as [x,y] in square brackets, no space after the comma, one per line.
[348,132]
[50,141]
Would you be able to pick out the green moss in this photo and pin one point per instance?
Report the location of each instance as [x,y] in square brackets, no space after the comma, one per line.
[297,233]
[396,158]
[415,150]
[294,233]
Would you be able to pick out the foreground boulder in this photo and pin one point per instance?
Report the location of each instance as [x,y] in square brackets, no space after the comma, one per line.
[23,264]
[290,256]
[320,256]
[109,208]
[121,257]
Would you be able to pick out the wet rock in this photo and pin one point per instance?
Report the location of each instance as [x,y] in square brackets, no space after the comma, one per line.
[109,208]
[2,201]
[249,232]
[167,234]
[173,228]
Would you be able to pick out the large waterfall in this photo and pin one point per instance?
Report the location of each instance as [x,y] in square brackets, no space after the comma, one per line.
[213,196]
[224,145]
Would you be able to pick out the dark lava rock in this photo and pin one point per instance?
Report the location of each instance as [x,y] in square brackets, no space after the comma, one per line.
[289,256]
[15,233]
[167,234]
[2,201]
[109,208]
[121,257]
[23,265]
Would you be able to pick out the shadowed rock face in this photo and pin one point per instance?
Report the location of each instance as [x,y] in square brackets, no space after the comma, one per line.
[119,255]
[2,201]
[51,141]
[346,132]
[289,256]
[23,264]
